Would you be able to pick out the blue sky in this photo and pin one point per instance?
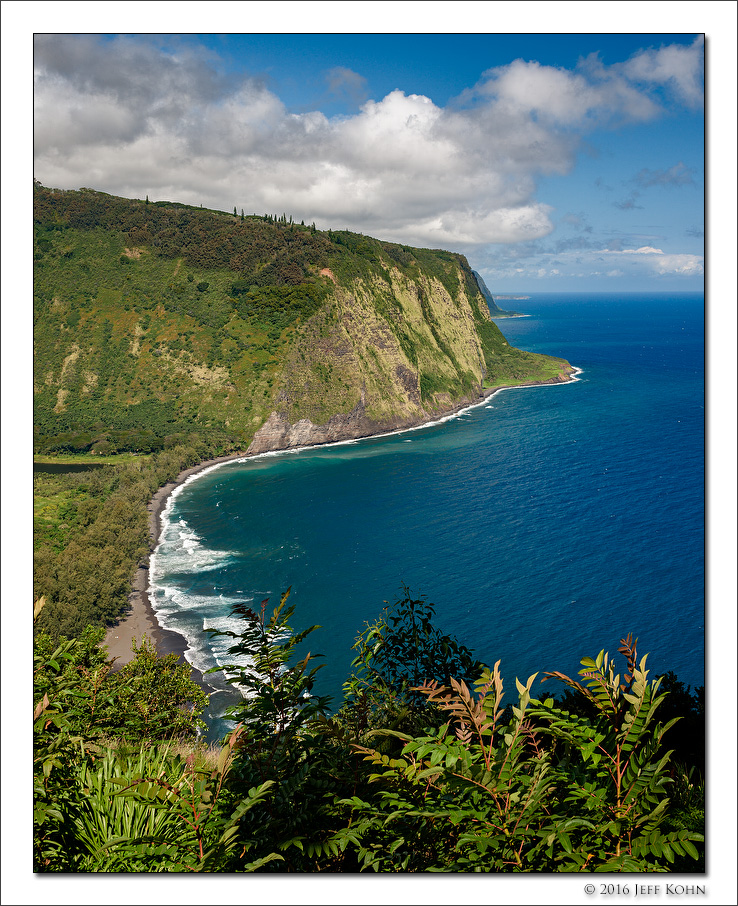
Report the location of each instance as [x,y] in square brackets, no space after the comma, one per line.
[555,162]
[598,186]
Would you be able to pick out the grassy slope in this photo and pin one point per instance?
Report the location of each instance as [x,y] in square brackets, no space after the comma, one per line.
[156,323]
[172,331]
[122,346]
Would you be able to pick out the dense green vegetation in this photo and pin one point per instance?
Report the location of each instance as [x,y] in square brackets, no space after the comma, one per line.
[403,777]
[154,322]
[164,335]
[157,334]
[91,532]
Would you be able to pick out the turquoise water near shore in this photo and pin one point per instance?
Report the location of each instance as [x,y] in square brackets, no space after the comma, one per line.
[544,524]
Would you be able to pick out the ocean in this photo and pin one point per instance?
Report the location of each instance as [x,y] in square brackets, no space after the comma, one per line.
[544,524]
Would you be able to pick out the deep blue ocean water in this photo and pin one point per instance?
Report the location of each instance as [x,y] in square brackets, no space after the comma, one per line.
[545,524]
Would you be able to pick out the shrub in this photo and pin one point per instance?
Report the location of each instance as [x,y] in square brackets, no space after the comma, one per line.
[545,790]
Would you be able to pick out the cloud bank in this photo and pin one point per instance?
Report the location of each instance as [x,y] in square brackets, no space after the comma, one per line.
[529,264]
[127,117]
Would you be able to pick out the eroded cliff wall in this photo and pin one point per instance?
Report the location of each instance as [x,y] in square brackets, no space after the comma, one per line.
[388,354]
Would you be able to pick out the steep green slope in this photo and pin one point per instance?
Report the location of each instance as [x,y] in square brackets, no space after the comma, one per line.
[154,323]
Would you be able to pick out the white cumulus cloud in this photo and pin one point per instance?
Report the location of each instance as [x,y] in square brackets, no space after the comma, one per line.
[124,116]
[678,66]
[684,265]
[643,250]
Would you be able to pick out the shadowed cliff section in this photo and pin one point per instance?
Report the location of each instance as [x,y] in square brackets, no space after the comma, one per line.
[494,308]
[156,323]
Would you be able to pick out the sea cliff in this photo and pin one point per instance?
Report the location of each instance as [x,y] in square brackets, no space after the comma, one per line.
[156,323]
[186,333]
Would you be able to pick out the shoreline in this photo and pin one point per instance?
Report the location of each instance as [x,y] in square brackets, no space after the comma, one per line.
[141,619]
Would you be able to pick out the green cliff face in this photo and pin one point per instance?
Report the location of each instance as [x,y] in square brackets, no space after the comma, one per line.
[156,322]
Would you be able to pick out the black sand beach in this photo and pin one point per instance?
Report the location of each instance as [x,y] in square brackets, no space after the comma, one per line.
[140,619]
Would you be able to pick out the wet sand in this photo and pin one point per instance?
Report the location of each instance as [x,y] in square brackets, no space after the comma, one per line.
[140,619]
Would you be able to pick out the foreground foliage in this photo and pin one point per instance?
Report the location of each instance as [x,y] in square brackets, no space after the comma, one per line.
[419,770]
[89,721]
[509,800]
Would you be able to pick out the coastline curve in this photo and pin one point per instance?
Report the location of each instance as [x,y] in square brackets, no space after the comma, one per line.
[142,617]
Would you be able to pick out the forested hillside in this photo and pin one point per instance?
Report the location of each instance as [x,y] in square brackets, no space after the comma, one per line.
[154,322]
[179,333]
[91,532]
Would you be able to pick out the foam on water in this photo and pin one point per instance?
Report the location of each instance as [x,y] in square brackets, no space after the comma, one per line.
[182,554]
[543,527]
[185,552]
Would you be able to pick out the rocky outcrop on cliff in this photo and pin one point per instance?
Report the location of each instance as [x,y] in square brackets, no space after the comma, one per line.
[387,354]
[277,433]
[155,324]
